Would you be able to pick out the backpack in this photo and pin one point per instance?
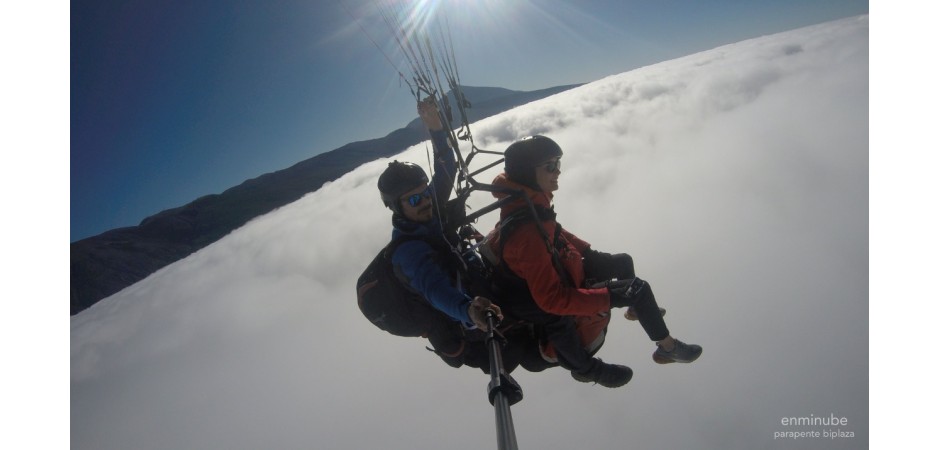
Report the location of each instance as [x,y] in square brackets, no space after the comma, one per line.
[391,306]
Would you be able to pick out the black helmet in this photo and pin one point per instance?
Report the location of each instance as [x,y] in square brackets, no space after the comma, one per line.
[522,157]
[399,178]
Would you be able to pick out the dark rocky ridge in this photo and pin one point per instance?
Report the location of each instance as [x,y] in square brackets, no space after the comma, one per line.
[104,264]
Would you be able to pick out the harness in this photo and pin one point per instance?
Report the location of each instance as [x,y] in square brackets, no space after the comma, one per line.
[507,227]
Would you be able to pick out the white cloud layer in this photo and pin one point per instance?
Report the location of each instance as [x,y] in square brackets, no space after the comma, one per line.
[736,177]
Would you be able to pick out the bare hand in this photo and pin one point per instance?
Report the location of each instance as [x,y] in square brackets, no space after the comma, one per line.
[477,312]
[429,114]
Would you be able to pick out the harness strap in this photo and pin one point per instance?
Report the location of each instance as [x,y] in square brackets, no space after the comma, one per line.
[553,245]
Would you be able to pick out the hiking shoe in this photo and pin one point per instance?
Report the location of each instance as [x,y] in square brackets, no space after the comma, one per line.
[631,313]
[607,375]
[682,353]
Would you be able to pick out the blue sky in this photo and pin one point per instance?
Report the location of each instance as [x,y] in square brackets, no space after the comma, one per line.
[172,100]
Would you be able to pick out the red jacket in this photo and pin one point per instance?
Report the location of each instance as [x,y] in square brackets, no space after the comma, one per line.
[526,254]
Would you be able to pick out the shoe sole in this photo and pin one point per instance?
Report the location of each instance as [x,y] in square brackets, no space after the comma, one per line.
[662,359]
[588,380]
[611,386]
[659,359]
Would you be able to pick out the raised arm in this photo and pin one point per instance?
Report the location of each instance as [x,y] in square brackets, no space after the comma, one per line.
[445,160]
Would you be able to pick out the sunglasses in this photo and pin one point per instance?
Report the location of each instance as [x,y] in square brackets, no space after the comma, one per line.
[553,165]
[415,199]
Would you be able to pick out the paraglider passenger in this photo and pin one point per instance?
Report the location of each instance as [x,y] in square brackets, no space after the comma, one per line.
[571,287]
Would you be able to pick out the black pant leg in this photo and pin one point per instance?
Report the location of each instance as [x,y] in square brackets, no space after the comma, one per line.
[601,266]
[648,314]
[561,331]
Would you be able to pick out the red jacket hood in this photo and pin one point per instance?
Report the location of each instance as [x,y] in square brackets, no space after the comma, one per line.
[538,197]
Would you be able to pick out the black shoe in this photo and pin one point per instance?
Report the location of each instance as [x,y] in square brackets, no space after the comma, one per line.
[682,353]
[607,375]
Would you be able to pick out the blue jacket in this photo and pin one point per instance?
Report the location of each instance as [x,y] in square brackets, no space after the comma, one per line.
[417,262]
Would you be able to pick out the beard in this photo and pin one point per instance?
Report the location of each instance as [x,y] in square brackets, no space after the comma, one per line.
[426,213]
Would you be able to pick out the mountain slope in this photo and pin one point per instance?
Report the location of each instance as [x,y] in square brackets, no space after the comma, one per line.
[104,264]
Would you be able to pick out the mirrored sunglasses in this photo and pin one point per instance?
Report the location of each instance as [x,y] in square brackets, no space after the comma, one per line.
[415,199]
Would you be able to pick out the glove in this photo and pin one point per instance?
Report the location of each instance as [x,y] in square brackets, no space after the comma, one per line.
[623,292]
[602,266]
[478,309]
